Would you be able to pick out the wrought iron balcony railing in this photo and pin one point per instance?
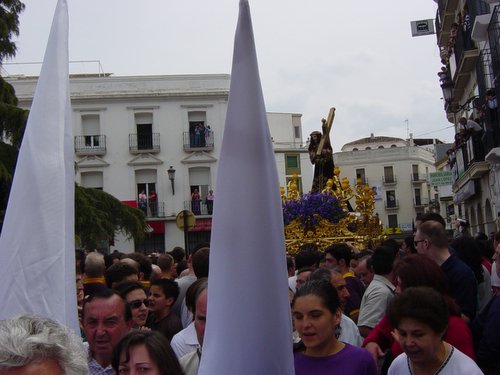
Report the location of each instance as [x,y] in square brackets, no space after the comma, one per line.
[139,143]
[90,144]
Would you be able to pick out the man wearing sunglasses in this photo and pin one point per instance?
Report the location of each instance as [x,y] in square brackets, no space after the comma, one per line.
[135,296]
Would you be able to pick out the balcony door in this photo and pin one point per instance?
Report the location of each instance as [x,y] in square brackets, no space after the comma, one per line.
[91,130]
[144,125]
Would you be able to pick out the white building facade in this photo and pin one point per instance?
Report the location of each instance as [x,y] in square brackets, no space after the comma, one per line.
[131,131]
[398,172]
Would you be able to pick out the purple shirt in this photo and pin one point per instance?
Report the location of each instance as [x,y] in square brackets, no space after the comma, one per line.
[350,360]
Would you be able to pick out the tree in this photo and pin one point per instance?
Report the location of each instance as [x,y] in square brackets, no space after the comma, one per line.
[9,26]
[12,118]
[99,215]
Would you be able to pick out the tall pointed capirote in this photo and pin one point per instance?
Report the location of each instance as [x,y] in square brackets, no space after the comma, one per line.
[37,252]
[248,327]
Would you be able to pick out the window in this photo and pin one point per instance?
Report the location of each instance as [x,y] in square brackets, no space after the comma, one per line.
[418,198]
[391,198]
[92,180]
[147,193]
[388,175]
[144,125]
[360,174]
[296,132]
[91,130]
[392,221]
[199,179]
[197,128]
[292,164]
[414,169]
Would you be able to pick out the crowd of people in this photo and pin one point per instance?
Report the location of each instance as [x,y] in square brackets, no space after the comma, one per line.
[426,305]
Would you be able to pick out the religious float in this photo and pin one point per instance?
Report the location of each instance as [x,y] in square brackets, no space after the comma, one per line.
[325,215]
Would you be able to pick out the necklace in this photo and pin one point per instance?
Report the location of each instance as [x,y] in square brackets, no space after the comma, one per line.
[441,367]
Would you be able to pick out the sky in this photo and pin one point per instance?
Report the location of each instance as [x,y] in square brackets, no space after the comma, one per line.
[356,56]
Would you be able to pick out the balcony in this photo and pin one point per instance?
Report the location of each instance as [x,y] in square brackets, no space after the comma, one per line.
[444,19]
[200,207]
[389,180]
[417,178]
[144,143]
[156,209]
[469,165]
[90,145]
[420,202]
[191,143]
[391,204]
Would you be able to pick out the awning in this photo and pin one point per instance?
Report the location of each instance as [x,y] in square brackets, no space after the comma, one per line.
[202,225]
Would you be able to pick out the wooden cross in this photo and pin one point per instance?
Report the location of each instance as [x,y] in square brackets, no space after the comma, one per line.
[326,126]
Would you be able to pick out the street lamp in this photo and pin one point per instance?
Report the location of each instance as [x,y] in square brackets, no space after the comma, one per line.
[171,177]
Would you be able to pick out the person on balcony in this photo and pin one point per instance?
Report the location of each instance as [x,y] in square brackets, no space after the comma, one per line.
[153,203]
[210,201]
[195,202]
[143,202]
[472,129]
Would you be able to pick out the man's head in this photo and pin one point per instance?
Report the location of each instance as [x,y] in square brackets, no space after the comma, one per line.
[196,302]
[200,315]
[382,260]
[463,120]
[144,262]
[339,255]
[308,256]
[120,272]
[430,236]
[429,216]
[335,279]
[302,276]
[32,345]
[106,319]
[178,254]
[162,295]
[94,264]
[166,263]
[364,270]
[200,262]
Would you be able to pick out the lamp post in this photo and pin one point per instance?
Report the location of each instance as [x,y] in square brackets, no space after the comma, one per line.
[171,177]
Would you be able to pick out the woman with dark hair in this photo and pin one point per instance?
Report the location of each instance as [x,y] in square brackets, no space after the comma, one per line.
[142,352]
[316,313]
[420,315]
[414,271]
[469,252]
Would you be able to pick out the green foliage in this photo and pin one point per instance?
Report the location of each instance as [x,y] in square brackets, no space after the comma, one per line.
[12,118]
[9,26]
[99,215]
[8,158]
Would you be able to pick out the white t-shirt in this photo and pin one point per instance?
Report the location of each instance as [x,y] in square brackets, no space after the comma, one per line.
[349,332]
[457,363]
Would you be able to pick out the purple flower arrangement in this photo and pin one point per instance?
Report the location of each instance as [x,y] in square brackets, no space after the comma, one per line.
[311,208]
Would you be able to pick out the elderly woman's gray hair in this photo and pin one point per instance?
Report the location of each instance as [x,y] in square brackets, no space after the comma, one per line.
[28,339]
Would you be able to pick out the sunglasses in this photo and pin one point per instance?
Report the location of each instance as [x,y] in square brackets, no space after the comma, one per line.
[138,303]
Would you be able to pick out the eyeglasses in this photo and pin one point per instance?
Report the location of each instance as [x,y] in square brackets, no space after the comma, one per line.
[138,303]
[417,242]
